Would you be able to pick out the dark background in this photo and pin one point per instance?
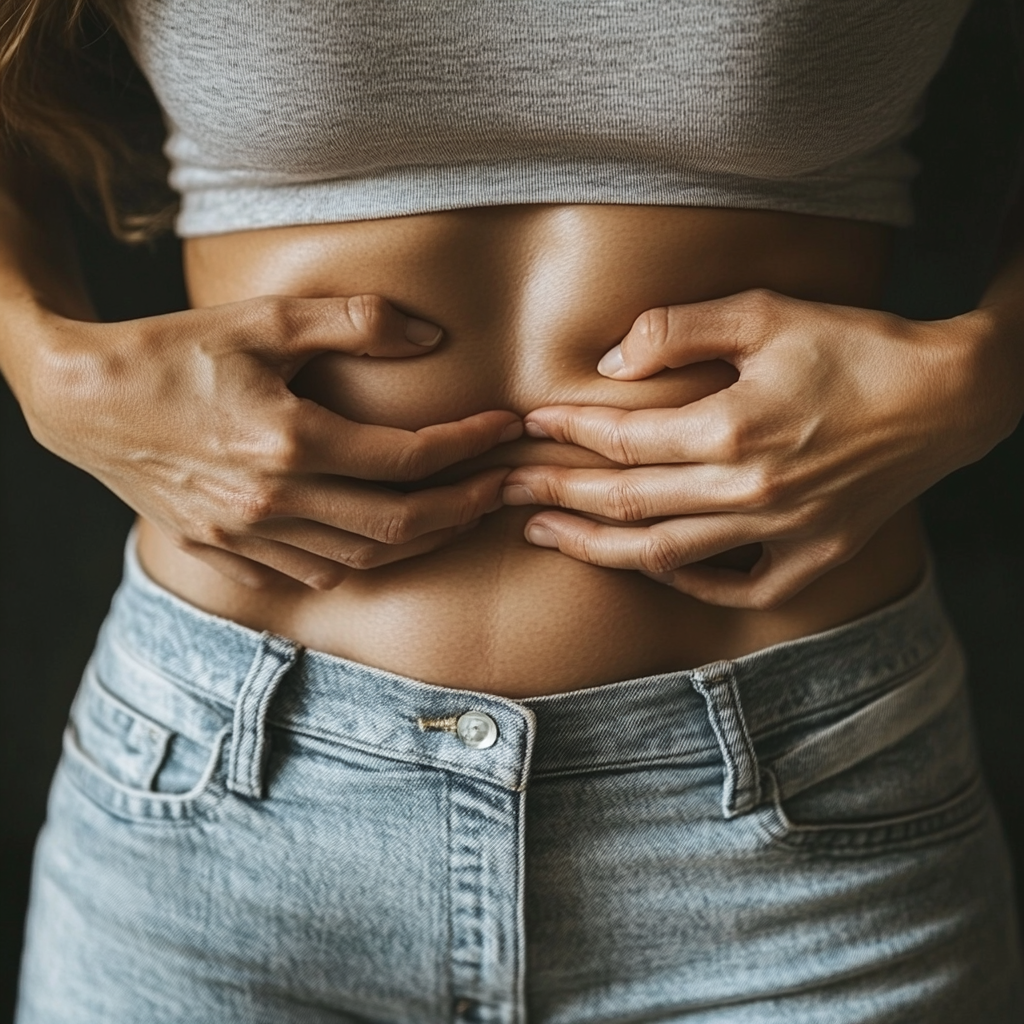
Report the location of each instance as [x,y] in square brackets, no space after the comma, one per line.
[61,532]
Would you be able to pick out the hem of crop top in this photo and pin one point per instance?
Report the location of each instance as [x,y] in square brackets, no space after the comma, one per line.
[209,210]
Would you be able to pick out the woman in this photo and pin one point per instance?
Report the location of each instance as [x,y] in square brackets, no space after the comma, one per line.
[574,655]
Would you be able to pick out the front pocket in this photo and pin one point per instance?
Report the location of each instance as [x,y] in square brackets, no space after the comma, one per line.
[122,743]
[134,765]
[960,813]
[900,770]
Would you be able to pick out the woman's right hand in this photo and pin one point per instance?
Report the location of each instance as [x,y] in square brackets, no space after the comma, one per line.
[189,419]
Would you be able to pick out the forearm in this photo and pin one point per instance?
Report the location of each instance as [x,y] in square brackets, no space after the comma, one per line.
[40,285]
[996,327]
[1004,298]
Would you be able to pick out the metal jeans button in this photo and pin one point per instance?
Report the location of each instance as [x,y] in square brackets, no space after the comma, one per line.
[477,730]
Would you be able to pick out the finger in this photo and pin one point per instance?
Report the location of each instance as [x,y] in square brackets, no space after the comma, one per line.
[661,547]
[779,574]
[389,516]
[672,336]
[320,441]
[246,571]
[310,569]
[356,325]
[627,495]
[350,550]
[704,431]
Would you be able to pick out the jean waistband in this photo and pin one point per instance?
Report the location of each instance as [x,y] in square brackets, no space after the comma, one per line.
[633,722]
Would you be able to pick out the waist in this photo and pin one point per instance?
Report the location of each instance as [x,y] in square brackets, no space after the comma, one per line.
[170,641]
[492,613]
[530,298]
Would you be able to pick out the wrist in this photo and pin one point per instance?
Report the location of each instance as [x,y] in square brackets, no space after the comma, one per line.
[988,347]
[25,342]
[54,367]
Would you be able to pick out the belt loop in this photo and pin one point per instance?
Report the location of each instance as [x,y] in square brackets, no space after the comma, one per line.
[741,791]
[249,748]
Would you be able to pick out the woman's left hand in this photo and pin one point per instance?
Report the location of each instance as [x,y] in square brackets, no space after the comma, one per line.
[839,417]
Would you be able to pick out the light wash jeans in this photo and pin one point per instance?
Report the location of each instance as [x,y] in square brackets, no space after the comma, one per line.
[243,831]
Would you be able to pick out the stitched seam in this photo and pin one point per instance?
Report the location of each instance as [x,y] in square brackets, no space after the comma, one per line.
[748,745]
[272,662]
[242,754]
[266,695]
[961,812]
[701,686]
[128,804]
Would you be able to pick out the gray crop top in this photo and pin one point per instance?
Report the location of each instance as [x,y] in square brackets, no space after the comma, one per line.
[312,111]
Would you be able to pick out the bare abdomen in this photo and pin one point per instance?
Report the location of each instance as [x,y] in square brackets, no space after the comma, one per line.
[530,298]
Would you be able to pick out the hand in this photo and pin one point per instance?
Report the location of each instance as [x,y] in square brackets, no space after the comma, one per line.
[189,419]
[839,417]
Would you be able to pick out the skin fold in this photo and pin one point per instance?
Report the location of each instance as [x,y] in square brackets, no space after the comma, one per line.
[530,299]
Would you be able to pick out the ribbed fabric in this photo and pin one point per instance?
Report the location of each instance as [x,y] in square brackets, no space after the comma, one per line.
[312,111]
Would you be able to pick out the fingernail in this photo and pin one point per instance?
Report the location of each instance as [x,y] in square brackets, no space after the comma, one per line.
[419,332]
[660,577]
[536,430]
[612,363]
[541,536]
[511,432]
[517,494]
[466,527]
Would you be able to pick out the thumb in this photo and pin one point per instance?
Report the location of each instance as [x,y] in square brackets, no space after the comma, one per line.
[669,337]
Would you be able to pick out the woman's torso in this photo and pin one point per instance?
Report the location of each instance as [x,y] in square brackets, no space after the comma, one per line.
[530,298]
[282,114]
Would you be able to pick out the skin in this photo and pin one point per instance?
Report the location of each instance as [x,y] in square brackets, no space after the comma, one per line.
[289,482]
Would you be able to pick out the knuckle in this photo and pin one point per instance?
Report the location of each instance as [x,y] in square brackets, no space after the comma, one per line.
[256,504]
[727,437]
[627,502]
[621,447]
[554,489]
[766,597]
[409,462]
[399,527]
[835,549]
[803,519]
[276,315]
[758,302]
[209,535]
[256,578]
[761,490]
[278,450]
[755,313]
[363,556]
[582,546]
[326,578]
[658,555]
[652,328]
[366,313]
[465,509]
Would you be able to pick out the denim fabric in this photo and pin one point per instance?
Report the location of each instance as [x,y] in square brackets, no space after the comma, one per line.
[243,831]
